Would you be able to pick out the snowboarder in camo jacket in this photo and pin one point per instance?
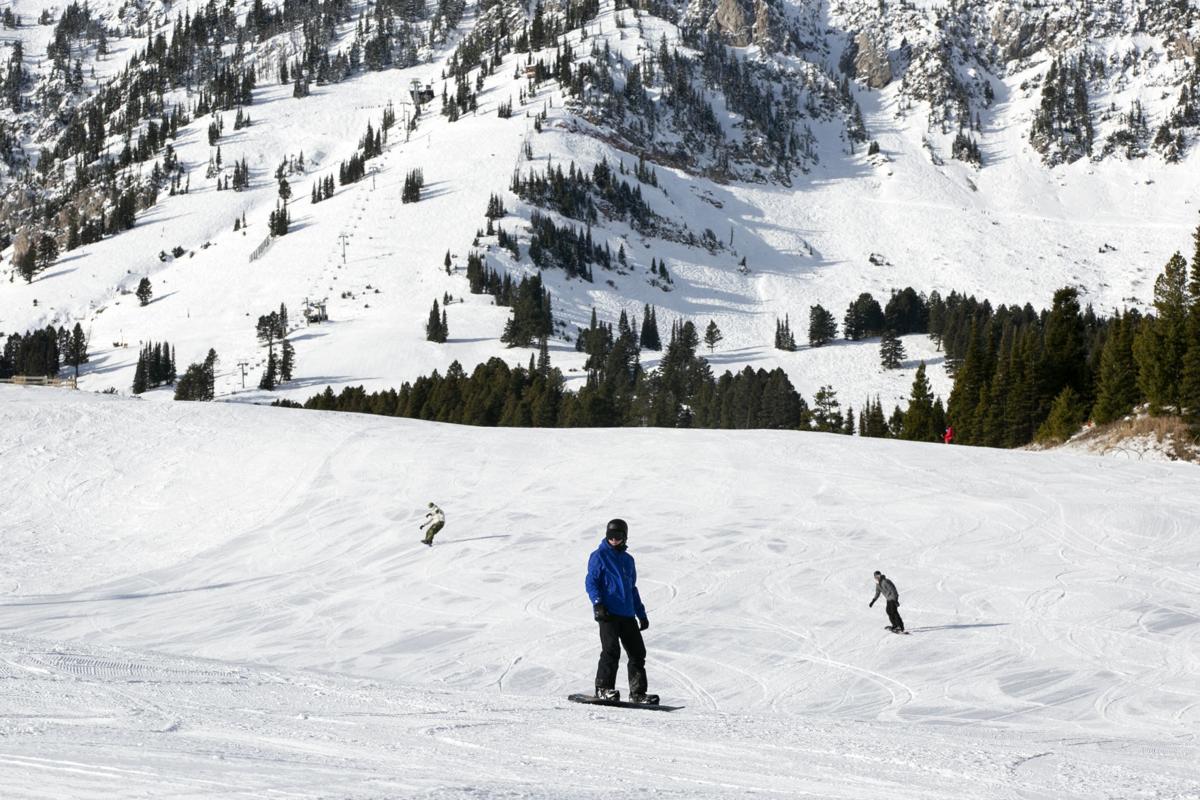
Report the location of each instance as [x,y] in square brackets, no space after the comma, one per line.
[611,585]
[884,586]
[434,520]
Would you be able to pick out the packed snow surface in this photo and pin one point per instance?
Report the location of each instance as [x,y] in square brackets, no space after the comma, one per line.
[223,600]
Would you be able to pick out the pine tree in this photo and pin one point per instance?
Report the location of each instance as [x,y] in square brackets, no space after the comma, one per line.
[76,349]
[891,350]
[826,414]
[871,422]
[47,250]
[712,335]
[821,326]
[970,383]
[919,423]
[1117,388]
[434,332]
[210,375]
[784,339]
[1066,415]
[140,383]
[1064,347]
[144,291]
[26,262]
[287,361]
[543,358]
[649,338]
[863,318]
[1190,379]
[270,376]
[1161,343]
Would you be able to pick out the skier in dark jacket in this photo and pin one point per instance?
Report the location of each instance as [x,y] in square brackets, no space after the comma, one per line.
[884,586]
[616,605]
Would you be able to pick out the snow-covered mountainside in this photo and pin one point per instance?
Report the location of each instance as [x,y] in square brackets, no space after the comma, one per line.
[223,600]
[994,147]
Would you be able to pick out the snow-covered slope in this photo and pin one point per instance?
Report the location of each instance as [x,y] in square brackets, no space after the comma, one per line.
[202,600]
[841,223]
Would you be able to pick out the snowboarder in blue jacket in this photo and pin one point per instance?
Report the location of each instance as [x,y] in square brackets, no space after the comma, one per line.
[616,605]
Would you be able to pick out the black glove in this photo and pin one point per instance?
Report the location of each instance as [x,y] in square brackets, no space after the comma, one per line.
[599,612]
[871,604]
[643,623]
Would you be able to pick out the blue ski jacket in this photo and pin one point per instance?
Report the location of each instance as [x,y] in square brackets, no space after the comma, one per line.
[612,580]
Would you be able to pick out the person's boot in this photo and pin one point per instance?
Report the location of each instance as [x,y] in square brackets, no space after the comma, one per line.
[608,694]
[646,699]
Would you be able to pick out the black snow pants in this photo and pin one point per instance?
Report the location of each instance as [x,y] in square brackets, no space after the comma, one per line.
[893,612]
[615,633]
[433,531]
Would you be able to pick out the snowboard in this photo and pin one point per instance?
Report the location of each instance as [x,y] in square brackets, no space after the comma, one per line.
[893,630]
[592,700]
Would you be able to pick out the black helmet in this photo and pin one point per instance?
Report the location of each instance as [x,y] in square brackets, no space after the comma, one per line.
[617,529]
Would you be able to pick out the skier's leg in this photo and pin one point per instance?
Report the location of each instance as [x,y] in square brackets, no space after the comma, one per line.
[635,652]
[610,655]
[893,612]
[433,529]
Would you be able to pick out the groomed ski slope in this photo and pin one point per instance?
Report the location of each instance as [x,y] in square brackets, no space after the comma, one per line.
[212,600]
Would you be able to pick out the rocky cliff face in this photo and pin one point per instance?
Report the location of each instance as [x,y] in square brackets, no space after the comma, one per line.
[1139,59]
[742,23]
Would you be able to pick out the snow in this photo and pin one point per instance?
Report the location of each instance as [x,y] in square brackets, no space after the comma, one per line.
[226,600]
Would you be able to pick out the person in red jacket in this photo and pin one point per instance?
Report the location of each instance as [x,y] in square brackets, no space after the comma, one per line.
[948,436]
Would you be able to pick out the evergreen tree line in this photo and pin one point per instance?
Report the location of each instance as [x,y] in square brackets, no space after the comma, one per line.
[565,247]
[239,180]
[279,220]
[1062,126]
[414,180]
[353,170]
[784,338]
[43,352]
[681,392]
[198,382]
[906,312]
[155,367]
[1026,376]
[966,148]
[322,189]
[532,318]
[922,420]
[1132,136]
[1169,139]
[582,197]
